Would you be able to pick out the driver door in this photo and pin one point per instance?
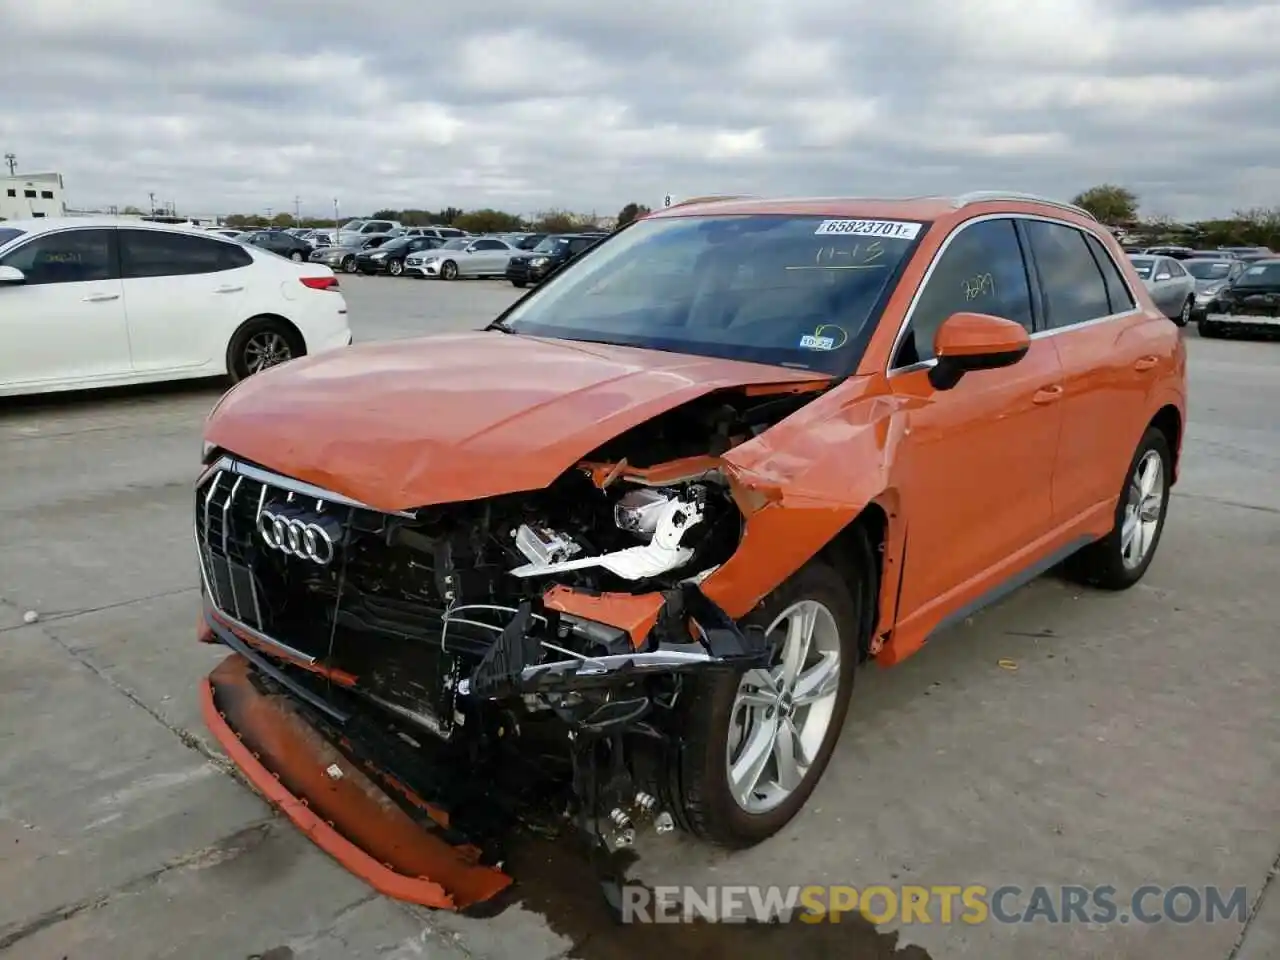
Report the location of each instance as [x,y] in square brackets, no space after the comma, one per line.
[66,321]
[975,466]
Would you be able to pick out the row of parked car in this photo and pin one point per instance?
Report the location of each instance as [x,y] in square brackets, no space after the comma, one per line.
[1232,288]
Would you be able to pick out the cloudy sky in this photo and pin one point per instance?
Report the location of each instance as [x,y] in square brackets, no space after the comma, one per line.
[243,105]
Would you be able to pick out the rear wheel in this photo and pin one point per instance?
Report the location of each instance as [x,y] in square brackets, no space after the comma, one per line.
[756,742]
[261,343]
[349,264]
[1119,560]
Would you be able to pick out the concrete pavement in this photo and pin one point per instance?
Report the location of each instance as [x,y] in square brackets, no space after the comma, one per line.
[1137,740]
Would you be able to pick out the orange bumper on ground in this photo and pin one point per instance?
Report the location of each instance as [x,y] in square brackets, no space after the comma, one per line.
[334,802]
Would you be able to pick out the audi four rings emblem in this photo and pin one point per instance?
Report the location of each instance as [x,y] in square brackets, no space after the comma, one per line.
[296,537]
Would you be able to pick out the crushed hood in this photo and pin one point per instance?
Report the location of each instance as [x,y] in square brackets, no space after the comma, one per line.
[403,424]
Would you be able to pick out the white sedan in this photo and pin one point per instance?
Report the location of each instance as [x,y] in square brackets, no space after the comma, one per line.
[96,302]
[463,257]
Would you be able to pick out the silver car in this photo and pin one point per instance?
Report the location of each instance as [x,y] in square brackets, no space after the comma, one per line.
[1170,286]
[1212,275]
[463,257]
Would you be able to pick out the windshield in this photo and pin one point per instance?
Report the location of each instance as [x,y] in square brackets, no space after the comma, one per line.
[397,243]
[353,225]
[1208,269]
[1143,265]
[9,233]
[796,291]
[1260,275]
[458,244]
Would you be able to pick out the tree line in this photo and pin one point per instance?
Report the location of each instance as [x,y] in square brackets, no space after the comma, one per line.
[486,220]
[1118,206]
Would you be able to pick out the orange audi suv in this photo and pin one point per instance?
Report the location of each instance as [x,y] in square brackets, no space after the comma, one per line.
[634,539]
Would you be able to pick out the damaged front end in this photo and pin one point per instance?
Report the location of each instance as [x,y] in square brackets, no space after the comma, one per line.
[471,666]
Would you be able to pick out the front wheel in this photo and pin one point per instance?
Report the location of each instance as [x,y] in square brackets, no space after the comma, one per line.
[449,270]
[395,267]
[1119,560]
[259,344]
[296,256]
[519,283]
[1184,315]
[755,743]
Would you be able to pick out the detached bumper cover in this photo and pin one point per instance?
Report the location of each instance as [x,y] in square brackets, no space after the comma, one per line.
[334,802]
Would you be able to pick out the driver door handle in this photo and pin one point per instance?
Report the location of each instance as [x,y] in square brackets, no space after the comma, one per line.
[101,297]
[228,289]
[1048,394]
[1145,363]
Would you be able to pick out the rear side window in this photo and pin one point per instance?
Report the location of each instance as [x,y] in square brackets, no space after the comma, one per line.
[156,253]
[67,256]
[1070,281]
[578,246]
[980,271]
[1118,295]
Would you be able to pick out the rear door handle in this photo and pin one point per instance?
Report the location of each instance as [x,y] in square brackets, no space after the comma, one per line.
[101,297]
[228,289]
[1048,394]
[1145,363]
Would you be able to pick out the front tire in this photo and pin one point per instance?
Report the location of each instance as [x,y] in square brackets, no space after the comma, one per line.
[1184,315]
[296,256]
[755,743]
[259,344]
[519,283]
[449,270]
[395,267]
[1121,558]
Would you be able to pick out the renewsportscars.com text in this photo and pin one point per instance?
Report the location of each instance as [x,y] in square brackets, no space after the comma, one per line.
[908,904]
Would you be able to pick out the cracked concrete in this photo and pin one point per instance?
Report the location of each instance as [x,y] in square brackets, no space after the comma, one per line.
[1138,740]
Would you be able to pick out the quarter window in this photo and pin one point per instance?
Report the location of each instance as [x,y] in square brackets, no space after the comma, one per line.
[1119,297]
[68,256]
[1070,280]
[981,271]
[158,253]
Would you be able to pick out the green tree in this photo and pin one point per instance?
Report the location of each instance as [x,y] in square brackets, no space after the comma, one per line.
[632,211]
[487,221]
[386,215]
[556,221]
[1109,203]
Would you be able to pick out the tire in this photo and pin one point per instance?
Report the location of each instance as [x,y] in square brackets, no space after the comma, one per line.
[296,256]
[261,343]
[713,734]
[519,283]
[449,270]
[349,265]
[1103,563]
[395,267]
[1184,317]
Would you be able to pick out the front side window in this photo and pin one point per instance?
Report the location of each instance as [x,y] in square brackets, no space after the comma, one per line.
[490,245]
[1070,281]
[796,291]
[67,256]
[158,253]
[981,271]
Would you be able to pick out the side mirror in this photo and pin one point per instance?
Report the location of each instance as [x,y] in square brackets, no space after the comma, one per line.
[975,341]
[12,275]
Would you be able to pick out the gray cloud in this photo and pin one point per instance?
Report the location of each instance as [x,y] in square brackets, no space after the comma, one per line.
[238,105]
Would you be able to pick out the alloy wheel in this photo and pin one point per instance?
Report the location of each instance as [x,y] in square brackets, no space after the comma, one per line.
[266,349]
[395,267]
[1142,511]
[781,714]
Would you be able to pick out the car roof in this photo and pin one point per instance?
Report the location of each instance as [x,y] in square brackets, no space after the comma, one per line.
[44,224]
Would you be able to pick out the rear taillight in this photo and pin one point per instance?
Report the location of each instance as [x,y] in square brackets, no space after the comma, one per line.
[320,283]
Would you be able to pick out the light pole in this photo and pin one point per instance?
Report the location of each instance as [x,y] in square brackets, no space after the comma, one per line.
[11,160]
[336,225]
[152,209]
[297,211]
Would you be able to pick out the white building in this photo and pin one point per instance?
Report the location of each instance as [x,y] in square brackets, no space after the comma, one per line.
[32,195]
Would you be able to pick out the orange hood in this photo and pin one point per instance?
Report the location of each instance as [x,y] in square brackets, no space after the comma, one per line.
[404,424]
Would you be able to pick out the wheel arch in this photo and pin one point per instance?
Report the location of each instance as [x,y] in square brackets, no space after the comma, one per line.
[847,552]
[299,338]
[1168,420]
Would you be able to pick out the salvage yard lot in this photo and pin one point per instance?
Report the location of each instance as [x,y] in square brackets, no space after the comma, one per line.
[1136,739]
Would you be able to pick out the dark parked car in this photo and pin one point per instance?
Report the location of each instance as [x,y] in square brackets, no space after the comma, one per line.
[552,253]
[389,258]
[344,257]
[278,241]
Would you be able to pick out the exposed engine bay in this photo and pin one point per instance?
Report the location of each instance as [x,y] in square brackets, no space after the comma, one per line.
[435,630]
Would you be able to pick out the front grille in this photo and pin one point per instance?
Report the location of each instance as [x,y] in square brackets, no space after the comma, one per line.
[369,606]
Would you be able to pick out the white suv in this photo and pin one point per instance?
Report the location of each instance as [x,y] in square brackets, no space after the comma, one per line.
[103,302]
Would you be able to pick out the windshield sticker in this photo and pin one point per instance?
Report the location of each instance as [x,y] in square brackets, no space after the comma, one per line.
[1254,271]
[826,337]
[897,229]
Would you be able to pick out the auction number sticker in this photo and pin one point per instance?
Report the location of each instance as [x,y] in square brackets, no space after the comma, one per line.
[896,229]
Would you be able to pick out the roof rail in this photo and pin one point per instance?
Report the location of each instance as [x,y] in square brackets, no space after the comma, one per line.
[713,198]
[983,196]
